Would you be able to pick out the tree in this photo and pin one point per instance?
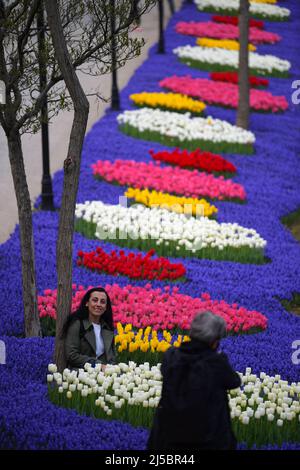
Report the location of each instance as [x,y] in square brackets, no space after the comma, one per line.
[87,33]
[244,88]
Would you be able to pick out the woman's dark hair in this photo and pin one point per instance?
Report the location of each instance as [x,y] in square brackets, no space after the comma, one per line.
[83,312]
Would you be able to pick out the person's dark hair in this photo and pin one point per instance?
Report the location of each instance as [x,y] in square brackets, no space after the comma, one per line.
[83,312]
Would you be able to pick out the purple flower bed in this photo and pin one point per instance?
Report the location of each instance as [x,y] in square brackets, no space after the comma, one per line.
[271,179]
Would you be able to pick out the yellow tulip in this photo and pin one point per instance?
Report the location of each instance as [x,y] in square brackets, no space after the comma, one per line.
[172,203]
[264,1]
[229,44]
[169,101]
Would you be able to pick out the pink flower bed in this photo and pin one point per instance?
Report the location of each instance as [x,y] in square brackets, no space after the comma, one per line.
[224,31]
[224,94]
[168,179]
[160,308]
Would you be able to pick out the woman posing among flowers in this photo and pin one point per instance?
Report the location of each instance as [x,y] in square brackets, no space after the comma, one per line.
[89,332]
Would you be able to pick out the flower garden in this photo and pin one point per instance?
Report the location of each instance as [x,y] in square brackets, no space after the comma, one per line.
[201,230]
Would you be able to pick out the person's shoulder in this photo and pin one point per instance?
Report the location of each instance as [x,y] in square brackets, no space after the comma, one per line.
[170,354]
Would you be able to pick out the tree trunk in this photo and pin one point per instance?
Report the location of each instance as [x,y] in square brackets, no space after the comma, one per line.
[31,316]
[244,106]
[71,178]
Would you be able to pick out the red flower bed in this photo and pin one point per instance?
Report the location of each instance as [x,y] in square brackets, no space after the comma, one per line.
[232,77]
[235,21]
[131,265]
[198,159]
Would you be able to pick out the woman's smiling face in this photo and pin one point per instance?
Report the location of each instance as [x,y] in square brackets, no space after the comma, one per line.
[97,306]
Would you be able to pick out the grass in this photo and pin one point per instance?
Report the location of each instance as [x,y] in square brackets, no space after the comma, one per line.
[292,222]
[293,305]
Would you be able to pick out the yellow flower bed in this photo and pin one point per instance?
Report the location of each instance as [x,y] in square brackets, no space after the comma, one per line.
[229,44]
[185,205]
[263,1]
[173,101]
[145,340]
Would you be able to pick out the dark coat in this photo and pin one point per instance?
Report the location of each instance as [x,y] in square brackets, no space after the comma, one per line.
[80,350]
[193,412]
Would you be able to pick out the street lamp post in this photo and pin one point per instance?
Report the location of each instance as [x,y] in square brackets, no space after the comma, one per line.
[47,193]
[161,40]
[115,97]
[172,6]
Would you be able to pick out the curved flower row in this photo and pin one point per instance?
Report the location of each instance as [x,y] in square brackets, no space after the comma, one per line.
[224,94]
[173,101]
[224,31]
[168,179]
[230,44]
[146,340]
[264,1]
[205,161]
[180,205]
[260,10]
[183,131]
[145,228]
[261,407]
[135,266]
[232,77]
[160,308]
[235,21]
[223,59]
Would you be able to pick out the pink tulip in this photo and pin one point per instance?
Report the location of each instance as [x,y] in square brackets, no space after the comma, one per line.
[143,306]
[223,93]
[224,31]
[168,179]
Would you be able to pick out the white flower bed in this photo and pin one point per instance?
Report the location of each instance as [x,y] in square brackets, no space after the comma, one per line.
[140,222]
[183,127]
[216,55]
[260,9]
[259,397]
[136,385]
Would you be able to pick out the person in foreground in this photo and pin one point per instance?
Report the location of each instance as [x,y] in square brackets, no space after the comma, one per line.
[89,332]
[193,412]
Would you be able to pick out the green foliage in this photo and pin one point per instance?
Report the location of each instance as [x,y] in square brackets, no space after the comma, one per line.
[88,32]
